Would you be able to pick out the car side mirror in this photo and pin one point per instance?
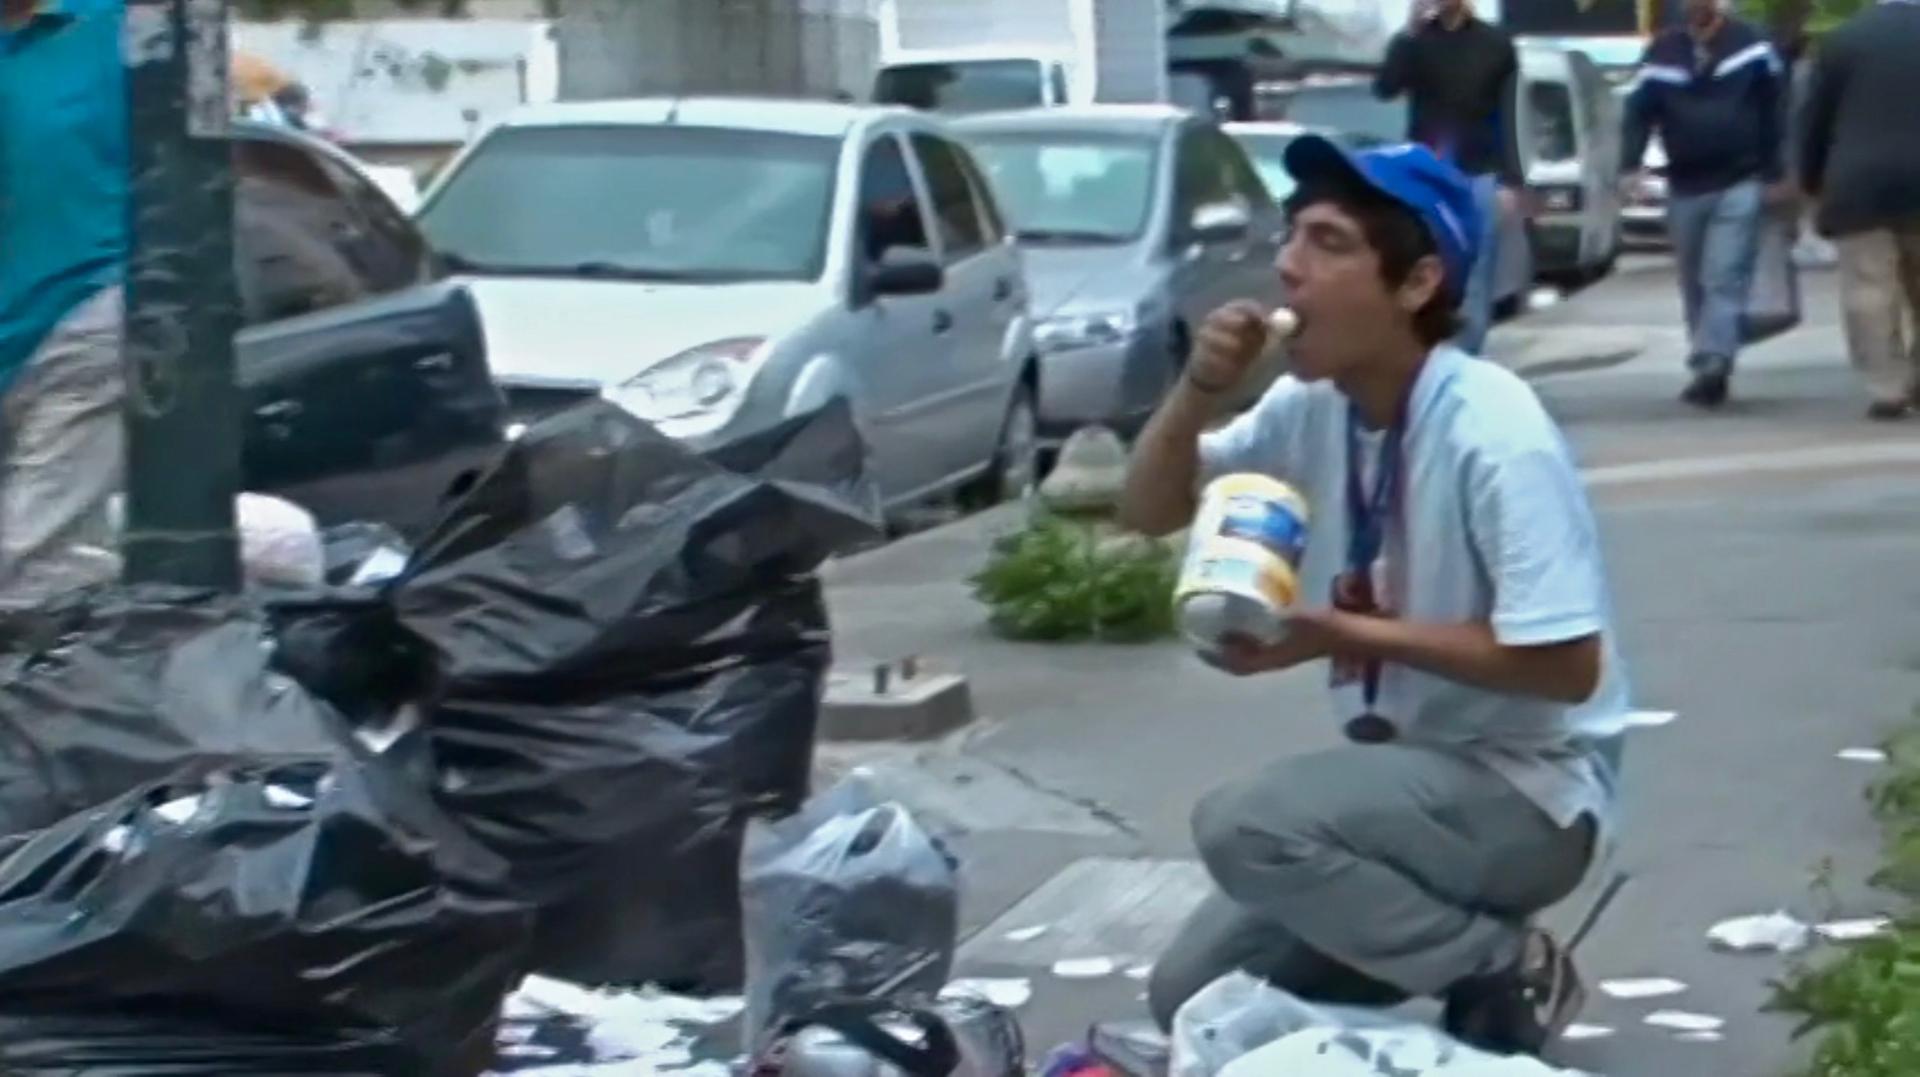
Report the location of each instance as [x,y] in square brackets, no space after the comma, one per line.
[905,275]
[1221,222]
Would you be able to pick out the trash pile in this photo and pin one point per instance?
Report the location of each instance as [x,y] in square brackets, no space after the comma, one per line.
[1243,1027]
[331,829]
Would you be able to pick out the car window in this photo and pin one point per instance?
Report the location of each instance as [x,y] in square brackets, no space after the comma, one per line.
[391,251]
[290,220]
[991,221]
[664,202]
[1070,187]
[953,207]
[890,213]
[1550,119]
[1269,156]
[1349,109]
[1213,172]
[1059,77]
[962,86]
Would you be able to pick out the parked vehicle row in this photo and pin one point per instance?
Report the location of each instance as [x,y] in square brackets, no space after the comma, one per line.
[975,287]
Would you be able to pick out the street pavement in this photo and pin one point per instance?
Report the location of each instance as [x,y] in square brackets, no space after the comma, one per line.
[1763,574]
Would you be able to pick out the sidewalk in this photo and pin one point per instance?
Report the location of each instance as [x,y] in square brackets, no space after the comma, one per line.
[1773,623]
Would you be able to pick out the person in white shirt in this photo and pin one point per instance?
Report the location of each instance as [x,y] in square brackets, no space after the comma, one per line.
[1453,585]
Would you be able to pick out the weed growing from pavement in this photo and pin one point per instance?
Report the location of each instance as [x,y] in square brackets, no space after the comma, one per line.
[1864,1005]
[1060,579]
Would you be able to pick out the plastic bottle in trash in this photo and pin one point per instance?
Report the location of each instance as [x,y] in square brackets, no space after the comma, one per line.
[1242,570]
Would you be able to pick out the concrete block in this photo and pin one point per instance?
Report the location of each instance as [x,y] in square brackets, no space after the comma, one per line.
[894,701]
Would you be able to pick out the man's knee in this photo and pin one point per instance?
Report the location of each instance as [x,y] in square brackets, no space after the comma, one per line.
[1245,833]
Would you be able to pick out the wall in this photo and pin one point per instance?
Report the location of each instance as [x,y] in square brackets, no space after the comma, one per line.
[793,48]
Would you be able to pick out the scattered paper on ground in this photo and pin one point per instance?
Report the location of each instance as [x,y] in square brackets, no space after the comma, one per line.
[1700,1037]
[1009,994]
[1084,968]
[551,1028]
[1027,934]
[1854,930]
[1682,1021]
[1577,1031]
[1774,932]
[1649,719]
[1863,755]
[1651,987]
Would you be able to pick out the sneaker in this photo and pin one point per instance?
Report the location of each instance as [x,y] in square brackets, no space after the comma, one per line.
[1706,391]
[1520,1011]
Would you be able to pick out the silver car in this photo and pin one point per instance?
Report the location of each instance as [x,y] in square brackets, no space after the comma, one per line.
[1136,221]
[719,265]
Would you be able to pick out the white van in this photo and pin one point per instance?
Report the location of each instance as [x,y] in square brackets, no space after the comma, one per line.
[1569,124]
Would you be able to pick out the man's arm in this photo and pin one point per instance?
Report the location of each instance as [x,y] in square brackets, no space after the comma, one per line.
[1162,476]
[1641,116]
[1507,114]
[1395,76]
[1168,458]
[1470,653]
[1770,97]
[1816,136]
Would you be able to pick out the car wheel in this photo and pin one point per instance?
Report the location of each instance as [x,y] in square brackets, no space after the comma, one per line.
[1016,463]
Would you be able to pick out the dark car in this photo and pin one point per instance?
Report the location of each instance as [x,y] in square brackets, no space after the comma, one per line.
[365,374]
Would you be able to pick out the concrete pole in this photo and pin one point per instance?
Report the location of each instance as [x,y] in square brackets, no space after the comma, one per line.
[183,409]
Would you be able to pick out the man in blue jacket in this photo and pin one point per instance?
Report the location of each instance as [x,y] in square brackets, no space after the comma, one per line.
[63,250]
[1714,90]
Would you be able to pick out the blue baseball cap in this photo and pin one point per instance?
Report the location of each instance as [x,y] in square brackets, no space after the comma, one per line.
[1412,175]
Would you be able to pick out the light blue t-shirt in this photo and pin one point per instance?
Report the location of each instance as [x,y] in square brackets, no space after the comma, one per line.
[64,216]
[1494,526]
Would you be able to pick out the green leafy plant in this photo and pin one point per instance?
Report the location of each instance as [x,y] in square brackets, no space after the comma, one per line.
[1060,579]
[1865,1004]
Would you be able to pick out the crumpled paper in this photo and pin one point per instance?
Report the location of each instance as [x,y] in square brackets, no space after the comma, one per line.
[550,1028]
[1774,932]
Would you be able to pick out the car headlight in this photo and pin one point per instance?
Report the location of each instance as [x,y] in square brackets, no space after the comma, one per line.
[1069,332]
[1561,199]
[695,392]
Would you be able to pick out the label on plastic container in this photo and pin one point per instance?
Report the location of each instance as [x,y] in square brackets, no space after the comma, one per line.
[1244,553]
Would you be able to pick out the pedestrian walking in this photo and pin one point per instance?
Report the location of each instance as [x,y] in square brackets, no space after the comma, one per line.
[1860,159]
[1451,579]
[63,250]
[1460,76]
[1716,92]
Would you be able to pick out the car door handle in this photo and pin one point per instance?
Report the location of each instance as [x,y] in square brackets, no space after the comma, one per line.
[942,321]
[279,410]
[1002,290]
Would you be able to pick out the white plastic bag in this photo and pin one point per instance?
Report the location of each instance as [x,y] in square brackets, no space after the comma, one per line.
[1243,1027]
[850,899]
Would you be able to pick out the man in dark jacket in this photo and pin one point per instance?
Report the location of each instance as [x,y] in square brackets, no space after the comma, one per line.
[1860,157]
[1459,75]
[1714,89]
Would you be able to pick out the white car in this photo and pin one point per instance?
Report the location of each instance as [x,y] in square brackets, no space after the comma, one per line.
[720,265]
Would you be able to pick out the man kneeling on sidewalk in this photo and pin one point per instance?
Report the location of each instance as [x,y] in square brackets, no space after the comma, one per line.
[1465,620]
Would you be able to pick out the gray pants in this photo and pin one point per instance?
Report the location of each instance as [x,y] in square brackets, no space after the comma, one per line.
[64,459]
[1368,874]
[1716,243]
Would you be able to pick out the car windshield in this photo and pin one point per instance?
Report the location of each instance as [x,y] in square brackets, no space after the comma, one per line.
[962,86]
[639,202]
[1349,109]
[1069,187]
[1268,153]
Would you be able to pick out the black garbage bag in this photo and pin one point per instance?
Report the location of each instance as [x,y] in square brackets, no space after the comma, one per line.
[113,688]
[351,550]
[630,649]
[293,914]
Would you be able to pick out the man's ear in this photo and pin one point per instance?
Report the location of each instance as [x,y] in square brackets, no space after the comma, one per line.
[1424,282]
